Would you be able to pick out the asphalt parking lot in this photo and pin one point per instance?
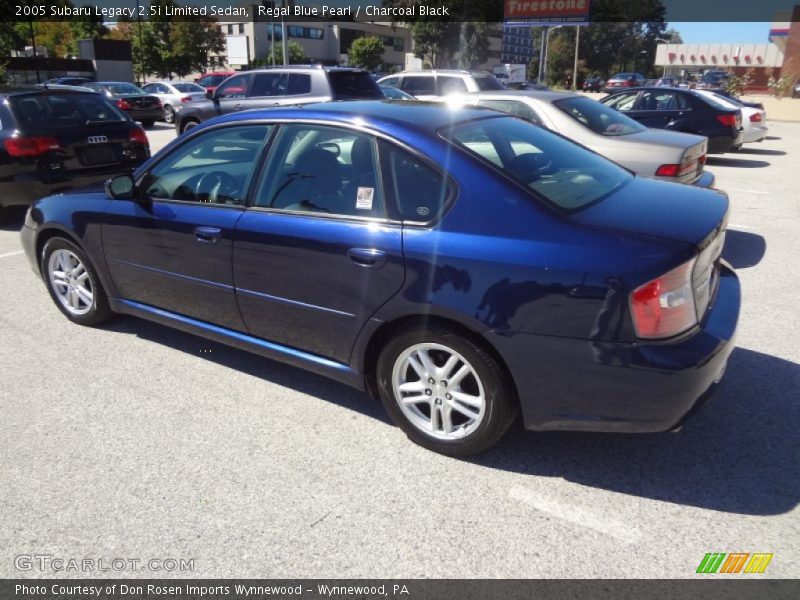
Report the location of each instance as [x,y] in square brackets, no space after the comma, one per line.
[137,441]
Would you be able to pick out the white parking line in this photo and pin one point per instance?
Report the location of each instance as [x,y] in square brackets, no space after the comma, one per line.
[15,253]
[578,516]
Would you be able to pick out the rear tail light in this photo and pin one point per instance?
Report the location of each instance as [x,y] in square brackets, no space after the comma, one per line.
[30,146]
[702,160]
[755,118]
[123,104]
[138,136]
[186,98]
[728,120]
[668,170]
[156,102]
[665,306]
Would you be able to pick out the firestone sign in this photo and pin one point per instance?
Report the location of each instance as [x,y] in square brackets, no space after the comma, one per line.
[546,11]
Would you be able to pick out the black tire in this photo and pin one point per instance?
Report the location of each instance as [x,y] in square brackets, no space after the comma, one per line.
[100,310]
[187,125]
[501,406]
[148,124]
[169,115]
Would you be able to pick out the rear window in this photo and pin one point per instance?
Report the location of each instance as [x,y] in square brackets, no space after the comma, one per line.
[598,117]
[188,88]
[122,88]
[488,84]
[347,85]
[212,80]
[60,111]
[566,175]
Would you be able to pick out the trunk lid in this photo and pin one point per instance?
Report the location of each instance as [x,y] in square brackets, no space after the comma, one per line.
[660,209]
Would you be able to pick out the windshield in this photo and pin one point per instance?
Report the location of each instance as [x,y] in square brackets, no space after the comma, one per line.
[598,117]
[187,88]
[566,175]
[488,84]
[353,85]
[59,111]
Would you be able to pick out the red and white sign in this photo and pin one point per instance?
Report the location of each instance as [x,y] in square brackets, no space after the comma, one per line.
[547,11]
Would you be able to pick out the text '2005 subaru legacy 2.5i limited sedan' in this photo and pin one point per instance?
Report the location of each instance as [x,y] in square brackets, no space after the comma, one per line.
[459,263]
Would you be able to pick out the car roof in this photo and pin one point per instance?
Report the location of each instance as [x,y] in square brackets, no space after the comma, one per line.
[546,95]
[307,68]
[14,90]
[442,72]
[424,117]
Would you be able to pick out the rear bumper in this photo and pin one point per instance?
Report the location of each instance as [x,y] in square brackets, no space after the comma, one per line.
[720,144]
[571,384]
[706,180]
[755,134]
[148,114]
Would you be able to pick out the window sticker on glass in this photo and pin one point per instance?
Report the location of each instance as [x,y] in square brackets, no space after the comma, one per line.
[364,198]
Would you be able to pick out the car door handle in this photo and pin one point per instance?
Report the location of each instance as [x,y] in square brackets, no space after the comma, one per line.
[207,235]
[237,107]
[367,257]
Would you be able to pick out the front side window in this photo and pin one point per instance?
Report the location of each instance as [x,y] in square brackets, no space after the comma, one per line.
[417,85]
[598,117]
[322,170]
[450,85]
[567,176]
[622,102]
[653,100]
[233,87]
[213,167]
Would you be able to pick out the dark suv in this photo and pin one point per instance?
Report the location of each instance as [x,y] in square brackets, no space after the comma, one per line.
[278,86]
[57,139]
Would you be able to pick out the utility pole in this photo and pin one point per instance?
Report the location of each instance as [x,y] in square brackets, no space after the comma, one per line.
[285,36]
[141,44]
[542,54]
[575,64]
[35,53]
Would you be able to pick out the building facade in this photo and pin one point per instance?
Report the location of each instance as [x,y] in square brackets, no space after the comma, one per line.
[518,45]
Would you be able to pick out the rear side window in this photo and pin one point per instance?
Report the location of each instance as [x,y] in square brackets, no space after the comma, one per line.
[419,192]
[299,83]
[417,85]
[450,85]
[350,85]
[488,84]
[187,88]
[61,111]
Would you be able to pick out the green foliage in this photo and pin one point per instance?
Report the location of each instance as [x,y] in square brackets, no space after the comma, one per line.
[435,42]
[780,87]
[473,45]
[297,55]
[737,83]
[366,52]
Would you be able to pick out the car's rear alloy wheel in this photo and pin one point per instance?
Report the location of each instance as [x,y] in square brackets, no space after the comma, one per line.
[169,114]
[445,392]
[73,283]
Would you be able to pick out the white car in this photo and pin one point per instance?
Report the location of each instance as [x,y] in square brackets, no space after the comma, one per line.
[754,120]
[660,153]
[174,94]
[437,83]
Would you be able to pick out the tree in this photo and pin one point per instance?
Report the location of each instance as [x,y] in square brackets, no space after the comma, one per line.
[366,52]
[673,36]
[297,55]
[474,45]
[560,55]
[435,41]
[192,42]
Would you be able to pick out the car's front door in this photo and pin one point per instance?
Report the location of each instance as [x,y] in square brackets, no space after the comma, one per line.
[171,247]
[315,255]
[231,95]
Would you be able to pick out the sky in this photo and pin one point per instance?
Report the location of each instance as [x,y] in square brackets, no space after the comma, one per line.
[744,33]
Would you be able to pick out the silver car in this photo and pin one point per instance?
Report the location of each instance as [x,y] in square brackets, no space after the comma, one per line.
[658,153]
[174,94]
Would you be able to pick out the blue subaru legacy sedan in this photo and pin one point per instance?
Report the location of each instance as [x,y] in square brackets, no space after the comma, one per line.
[460,264]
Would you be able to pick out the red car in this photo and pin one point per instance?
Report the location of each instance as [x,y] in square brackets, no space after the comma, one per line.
[212,79]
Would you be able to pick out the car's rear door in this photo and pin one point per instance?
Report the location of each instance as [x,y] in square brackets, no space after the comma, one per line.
[315,255]
[657,108]
[171,247]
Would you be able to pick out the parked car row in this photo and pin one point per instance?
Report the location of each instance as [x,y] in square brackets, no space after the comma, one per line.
[494,253]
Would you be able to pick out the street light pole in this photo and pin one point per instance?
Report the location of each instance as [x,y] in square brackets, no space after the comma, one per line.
[141,44]
[546,46]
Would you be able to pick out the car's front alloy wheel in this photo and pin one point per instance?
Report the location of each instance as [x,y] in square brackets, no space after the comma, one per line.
[447,393]
[73,283]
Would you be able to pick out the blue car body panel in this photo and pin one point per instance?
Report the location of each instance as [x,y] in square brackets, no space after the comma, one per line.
[546,290]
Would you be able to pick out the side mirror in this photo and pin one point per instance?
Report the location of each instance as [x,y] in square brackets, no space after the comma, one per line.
[120,187]
[209,94]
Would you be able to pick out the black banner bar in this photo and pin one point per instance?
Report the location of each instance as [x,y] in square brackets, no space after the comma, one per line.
[710,588]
